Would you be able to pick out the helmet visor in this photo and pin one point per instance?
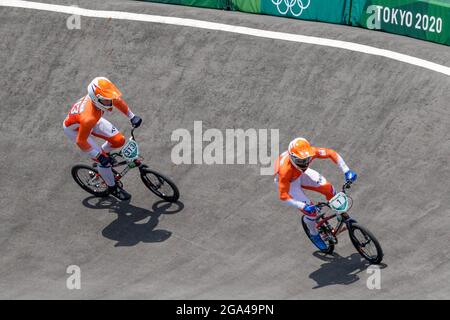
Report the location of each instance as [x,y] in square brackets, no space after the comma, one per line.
[105,102]
[303,163]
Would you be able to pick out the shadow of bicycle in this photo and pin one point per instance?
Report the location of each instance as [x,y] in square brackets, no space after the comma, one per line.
[338,270]
[134,224]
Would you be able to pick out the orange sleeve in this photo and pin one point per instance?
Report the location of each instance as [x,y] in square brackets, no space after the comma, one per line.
[123,107]
[323,153]
[284,186]
[83,135]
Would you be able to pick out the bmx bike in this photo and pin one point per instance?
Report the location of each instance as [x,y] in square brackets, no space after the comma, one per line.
[89,179]
[362,239]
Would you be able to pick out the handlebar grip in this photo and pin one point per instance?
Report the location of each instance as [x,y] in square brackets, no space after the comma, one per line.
[320,205]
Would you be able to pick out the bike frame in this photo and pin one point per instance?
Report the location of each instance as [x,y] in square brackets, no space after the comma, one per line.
[136,163]
[342,225]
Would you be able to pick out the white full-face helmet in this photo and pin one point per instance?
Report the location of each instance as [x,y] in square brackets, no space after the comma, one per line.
[102,93]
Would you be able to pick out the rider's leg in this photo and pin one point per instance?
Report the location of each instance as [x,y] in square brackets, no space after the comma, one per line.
[316,182]
[114,142]
[106,173]
[312,180]
[114,139]
[310,220]
[106,131]
[297,193]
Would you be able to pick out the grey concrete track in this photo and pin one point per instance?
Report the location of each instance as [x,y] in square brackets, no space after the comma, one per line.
[229,237]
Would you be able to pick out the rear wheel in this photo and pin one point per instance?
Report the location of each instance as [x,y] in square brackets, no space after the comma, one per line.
[90,180]
[330,245]
[365,243]
[160,185]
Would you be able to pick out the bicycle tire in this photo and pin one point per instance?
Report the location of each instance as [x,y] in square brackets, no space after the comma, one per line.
[75,170]
[330,248]
[356,243]
[162,180]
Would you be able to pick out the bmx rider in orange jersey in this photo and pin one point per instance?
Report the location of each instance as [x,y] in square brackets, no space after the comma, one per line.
[292,173]
[85,121]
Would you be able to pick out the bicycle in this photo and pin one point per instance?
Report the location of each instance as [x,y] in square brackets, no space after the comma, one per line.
[362,239]
[88,178]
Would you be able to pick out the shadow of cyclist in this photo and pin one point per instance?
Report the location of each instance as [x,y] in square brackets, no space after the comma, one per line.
[338,269]
[134,224]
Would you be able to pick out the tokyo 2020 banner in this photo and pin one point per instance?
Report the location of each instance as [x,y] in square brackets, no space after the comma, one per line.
[427,20]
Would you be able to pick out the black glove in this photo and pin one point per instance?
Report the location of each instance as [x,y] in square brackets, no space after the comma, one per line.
[104,160]
[136,121]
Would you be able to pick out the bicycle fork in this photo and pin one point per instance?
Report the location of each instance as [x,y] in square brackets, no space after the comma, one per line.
[344,221]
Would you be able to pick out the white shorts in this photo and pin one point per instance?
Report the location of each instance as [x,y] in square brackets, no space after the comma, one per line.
[310,180]
[103,129]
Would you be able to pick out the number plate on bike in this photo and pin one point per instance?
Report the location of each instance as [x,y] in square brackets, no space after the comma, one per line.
[130,150]
[339,202]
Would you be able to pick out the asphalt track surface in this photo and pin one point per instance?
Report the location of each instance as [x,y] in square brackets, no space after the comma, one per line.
[229,237]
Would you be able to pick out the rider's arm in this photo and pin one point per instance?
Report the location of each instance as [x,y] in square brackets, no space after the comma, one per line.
[82,138]
[284,185]
[324,153]
[123,107]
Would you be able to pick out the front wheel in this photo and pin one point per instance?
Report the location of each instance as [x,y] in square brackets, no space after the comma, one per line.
[365,243]
[160,185]
[90,180]
[330,245]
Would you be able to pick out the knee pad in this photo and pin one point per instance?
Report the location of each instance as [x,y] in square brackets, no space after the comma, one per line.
[328,191]
[117,141]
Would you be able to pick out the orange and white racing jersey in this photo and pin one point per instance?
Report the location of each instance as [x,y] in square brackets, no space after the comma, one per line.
[84,116]
[287,172]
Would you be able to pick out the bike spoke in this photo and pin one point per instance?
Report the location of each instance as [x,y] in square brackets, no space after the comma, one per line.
[92,180]
[159,185]
[365,244]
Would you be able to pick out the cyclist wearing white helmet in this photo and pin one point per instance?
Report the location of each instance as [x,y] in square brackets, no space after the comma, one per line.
[85,120]
[293,175]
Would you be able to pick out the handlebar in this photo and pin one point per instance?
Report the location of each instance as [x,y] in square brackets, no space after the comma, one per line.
[346,186]
[132,133]
[320,205]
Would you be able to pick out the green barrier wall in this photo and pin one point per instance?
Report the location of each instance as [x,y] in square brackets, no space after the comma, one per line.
[332,11]
[215,4]
[427,20]
[422,19]
[251,6]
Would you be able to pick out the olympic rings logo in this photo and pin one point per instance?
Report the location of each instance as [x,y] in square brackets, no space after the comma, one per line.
[296,7]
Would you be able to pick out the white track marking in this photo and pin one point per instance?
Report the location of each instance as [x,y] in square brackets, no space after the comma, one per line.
[120,15]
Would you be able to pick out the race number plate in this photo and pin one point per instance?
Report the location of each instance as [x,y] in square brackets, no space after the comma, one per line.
[339,202]
[130,150]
